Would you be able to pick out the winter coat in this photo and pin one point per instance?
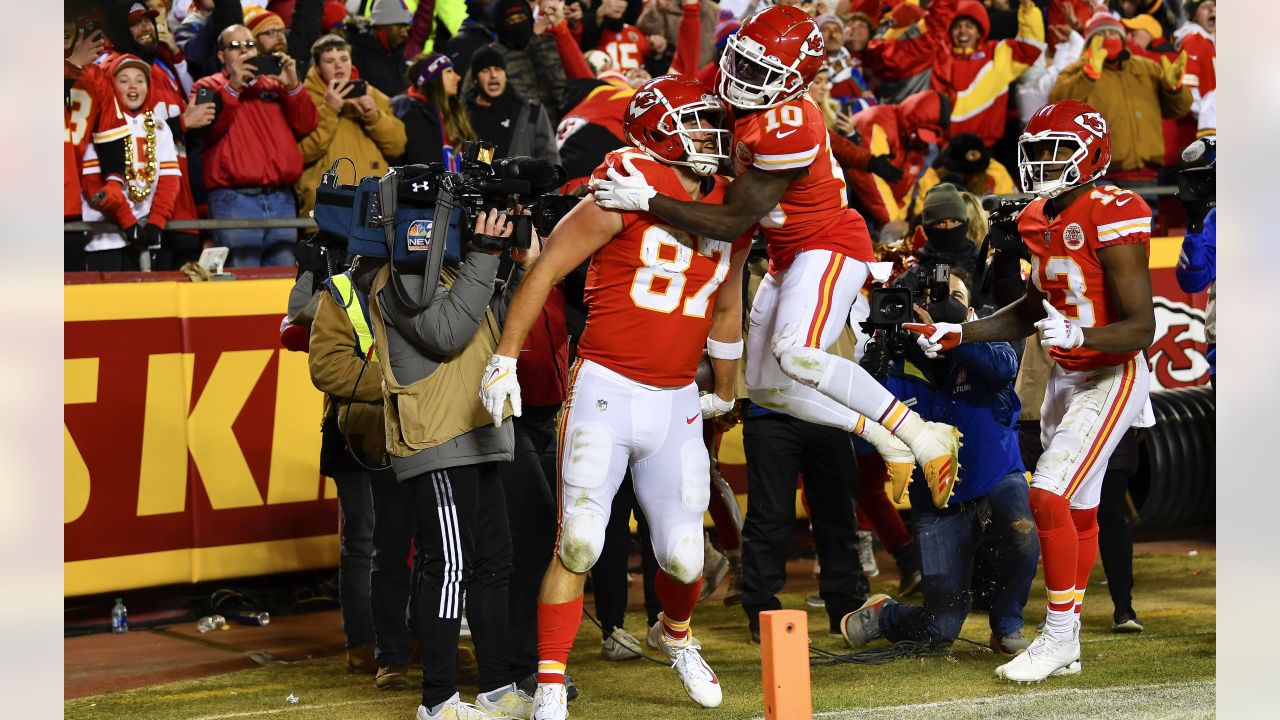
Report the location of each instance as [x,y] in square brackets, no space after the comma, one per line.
[345,134]
[1133,99]
[254,140]
[885,129]
[535,72]
[514,125]
[383,68]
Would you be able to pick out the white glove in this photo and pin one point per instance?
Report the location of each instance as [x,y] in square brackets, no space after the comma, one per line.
[713,405]
[934,338]
[630,191]
[498,386]
[1057,331]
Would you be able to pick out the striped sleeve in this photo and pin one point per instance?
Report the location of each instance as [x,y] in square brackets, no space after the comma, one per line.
[786,161]
[1125,229]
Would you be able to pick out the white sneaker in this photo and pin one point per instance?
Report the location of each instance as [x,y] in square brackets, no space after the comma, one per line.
[550,702]
[699,679]
[937,449]
[867,553]
[1045,657]
[506,702]
[621,645]
[453,709]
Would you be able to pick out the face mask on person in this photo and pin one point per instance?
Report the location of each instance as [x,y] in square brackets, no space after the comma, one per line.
[1113,46]
[950,310]
[948,240]
[517,31]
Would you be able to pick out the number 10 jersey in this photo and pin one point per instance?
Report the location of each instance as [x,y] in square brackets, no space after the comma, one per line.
[651,290]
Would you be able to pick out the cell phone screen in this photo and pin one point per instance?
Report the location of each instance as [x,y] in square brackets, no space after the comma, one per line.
[358,89]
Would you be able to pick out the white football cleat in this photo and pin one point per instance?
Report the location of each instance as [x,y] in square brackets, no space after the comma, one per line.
[699,679]
[453,709]
[550,702]
[1045,657]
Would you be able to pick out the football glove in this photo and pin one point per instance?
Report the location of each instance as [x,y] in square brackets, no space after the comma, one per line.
[937,337]
[1057,331]
[713,405]
[1094,58]
[499,385]
[1171,72]
[630,191]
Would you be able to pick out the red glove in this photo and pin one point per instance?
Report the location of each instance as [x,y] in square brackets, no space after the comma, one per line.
[936,338]
[111,201]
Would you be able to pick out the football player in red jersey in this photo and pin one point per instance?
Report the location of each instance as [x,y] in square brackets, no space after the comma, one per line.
[1090,300]
[789,182]
[653,304]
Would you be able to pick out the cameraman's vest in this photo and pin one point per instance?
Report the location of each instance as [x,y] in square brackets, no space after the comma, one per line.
[446,403]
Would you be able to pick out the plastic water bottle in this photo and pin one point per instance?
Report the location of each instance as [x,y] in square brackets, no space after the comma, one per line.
[119,617]
[210,622]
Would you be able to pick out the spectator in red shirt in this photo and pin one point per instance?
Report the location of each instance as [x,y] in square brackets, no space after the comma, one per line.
[251,155]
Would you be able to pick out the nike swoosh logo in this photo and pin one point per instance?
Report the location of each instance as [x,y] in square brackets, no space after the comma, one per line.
[1120,203]
[689,421]
[781,134]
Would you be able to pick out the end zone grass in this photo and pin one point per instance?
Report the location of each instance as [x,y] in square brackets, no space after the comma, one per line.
[1168,671]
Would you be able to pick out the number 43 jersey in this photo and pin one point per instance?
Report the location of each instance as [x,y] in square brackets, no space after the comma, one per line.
[651,290]
[1065,264]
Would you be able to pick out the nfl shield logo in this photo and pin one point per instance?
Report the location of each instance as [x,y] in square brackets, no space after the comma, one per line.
[602,405]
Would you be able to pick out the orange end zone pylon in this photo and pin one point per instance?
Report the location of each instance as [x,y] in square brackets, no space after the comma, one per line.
[784,664]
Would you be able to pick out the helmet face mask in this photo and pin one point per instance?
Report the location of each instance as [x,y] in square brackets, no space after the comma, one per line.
[751,80]
[1066,144]
[673,120]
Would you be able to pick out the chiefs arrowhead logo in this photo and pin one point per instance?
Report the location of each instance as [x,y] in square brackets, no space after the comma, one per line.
[814,45]
[642,101]
[1093,122]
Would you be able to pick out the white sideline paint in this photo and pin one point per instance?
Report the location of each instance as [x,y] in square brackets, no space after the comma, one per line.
[301,707]
[1169,700]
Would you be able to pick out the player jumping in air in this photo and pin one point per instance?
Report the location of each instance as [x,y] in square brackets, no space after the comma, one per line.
[788,181]
[1090,300]
[653,305]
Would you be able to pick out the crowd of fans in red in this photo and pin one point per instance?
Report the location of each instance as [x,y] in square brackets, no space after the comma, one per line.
[233,109]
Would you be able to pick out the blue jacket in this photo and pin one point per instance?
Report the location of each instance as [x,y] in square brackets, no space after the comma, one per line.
[1198,266]
[970,387]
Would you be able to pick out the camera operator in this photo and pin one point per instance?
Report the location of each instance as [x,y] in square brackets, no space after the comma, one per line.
[972,388]
[374,581]
[1197,263]
[445,449]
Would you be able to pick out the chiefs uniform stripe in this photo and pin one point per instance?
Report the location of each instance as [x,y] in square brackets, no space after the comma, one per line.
[112,134]
[787,161]
[1121,229]
[813,338]
[1127,377]
[561,425]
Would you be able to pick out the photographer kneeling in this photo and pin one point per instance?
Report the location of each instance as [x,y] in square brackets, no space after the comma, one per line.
[970,387]
[445,447]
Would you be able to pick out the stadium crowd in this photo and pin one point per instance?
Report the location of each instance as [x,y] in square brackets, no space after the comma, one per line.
[235,109]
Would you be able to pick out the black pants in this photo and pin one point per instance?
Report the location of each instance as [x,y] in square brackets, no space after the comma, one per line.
[528,482]
[778,449]
[123,259]
[390,580]
[1115,542]
[609,574]
[73,242]
[464,548]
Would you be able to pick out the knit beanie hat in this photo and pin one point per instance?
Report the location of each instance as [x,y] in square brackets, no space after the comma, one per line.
[390,12]
[486,57]
[429,68]
[824,19]
[943,202]
[1102,21]
[259,21]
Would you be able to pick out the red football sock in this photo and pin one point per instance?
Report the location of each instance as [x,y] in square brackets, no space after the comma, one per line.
[1058,544]
[677,600]
[557,626]
[1086,522]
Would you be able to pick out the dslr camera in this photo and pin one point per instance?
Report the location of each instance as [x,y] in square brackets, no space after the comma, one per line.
[928,287]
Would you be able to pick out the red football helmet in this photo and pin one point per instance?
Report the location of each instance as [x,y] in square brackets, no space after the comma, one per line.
[772,58]
[672,119]
[1065,125]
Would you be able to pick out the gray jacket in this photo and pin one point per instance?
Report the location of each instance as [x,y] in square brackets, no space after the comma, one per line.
[416,343]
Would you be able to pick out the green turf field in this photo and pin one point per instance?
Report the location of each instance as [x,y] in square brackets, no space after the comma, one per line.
[1166,672]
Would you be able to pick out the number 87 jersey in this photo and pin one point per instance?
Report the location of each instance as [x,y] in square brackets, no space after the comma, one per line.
[1065,264]
[651,290]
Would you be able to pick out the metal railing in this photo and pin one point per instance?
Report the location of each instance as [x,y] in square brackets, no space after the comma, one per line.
[207,224]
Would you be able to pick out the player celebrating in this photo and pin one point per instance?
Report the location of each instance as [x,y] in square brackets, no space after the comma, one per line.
[652,300]
[789,181]
[1090,299]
